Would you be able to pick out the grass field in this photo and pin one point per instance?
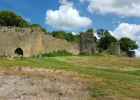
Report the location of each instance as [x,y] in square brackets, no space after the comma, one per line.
[114,78]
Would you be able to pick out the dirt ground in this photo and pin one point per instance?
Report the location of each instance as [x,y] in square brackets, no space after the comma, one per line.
[25,83]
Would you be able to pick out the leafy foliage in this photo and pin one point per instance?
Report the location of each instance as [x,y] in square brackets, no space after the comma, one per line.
[127,44]
[58,53]
[63,35]
[90,30]
[111,50]
[105,39]
[9,18]
[95,39]
[83,54]
[38,25]
[103,33]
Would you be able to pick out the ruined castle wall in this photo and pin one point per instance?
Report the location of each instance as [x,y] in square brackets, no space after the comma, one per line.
[51,44]
[36,41]
[32,41]
[13,38]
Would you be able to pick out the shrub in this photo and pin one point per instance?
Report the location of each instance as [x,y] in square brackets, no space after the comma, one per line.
[58,53]
[83,54]
[98,54]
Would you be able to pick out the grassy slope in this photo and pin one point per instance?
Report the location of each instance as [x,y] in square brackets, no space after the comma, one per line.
[120,76]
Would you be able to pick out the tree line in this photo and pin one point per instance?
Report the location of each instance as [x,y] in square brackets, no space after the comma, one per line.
[9,18]
[104,43]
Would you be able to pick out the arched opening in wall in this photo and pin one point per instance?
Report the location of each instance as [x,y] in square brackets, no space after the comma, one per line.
[19,52]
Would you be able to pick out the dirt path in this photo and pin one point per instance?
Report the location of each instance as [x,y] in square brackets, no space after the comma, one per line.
[25,83]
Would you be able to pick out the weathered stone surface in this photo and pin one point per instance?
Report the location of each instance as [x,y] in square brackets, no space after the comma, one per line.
[32,41]
[86,42]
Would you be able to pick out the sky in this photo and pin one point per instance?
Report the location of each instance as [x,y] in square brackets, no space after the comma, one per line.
[120,17]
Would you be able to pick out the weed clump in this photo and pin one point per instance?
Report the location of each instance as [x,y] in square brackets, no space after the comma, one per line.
[94,92]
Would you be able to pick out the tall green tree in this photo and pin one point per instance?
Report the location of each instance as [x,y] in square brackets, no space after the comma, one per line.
[9,18]
[105,39]
[103,33]
[127,44]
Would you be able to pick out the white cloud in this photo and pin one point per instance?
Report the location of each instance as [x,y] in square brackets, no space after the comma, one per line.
[127,30]
[66,17]
[95,34]
[120,7]
[74,33]
[116,21]
[82,1]
[65,2]
[131,31]
[137,53]
[28,20]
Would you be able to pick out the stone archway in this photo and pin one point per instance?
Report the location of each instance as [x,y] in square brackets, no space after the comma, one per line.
[19,52]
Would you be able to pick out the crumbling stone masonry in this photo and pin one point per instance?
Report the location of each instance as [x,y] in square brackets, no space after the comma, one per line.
[28,42]
[118,51]
[86,42]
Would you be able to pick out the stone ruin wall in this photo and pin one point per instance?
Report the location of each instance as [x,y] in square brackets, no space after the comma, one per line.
[51,44]
[118,51]
[86,43]
[36,41]
[13,38]
[116,47]
[32,41]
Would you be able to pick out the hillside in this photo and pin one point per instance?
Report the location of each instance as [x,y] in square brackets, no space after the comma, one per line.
[72,77]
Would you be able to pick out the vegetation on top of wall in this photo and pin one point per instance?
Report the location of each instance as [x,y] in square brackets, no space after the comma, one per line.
[58,53]
[90,30]
[63,35]
[9,18]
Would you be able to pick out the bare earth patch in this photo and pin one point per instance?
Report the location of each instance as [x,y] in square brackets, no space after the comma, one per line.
[25,83]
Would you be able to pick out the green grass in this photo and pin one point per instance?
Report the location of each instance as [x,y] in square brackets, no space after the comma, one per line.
[49,62]
[115,80]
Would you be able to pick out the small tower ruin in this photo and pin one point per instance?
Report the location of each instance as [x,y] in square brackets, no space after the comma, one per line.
[116,48]
[86,42]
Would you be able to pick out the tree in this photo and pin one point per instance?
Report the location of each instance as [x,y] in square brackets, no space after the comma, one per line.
[95,39]
[127,44]
[9,18]
[105,39]
[103,33]
[70,37]
[59,34]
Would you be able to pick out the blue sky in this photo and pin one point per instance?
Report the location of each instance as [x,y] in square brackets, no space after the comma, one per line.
[120,17]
